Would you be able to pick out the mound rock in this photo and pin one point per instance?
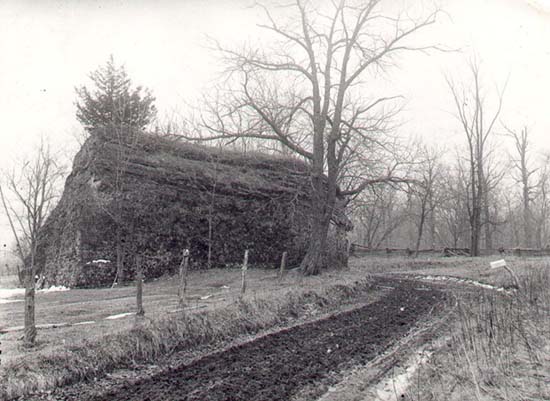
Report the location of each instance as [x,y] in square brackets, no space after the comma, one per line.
[131,193]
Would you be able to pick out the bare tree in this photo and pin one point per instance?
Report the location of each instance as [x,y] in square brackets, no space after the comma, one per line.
[378,213]
[425,191]
[522,176]
[28,195]
[477,123]
[453,213]
[540,203]
[309,94]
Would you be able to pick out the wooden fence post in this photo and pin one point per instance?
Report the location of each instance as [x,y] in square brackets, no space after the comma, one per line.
[183,278]
[139,285]
[243,273]
[283,265]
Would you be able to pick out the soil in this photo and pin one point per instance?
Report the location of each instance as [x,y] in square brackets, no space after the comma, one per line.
[279,365]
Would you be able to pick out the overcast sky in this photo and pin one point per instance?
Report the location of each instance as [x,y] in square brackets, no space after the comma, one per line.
[48,47]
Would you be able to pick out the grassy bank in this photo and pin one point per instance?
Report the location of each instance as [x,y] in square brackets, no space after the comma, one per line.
[150,339]
[497,347]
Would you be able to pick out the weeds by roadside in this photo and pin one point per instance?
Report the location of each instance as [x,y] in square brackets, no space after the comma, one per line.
[497,348]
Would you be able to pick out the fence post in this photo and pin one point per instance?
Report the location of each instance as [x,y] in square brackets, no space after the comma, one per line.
[182,289]
[139,285]
[243,273]
[283,265]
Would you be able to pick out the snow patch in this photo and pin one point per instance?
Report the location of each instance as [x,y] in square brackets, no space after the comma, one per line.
[11,292]
[9,301]
[119,316]
[462,281]
[393,388]
[6,293]
[55,288]
[98,261]
[13,328]
[84,323]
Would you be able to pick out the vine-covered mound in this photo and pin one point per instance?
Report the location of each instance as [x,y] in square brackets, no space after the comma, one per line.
[131,193]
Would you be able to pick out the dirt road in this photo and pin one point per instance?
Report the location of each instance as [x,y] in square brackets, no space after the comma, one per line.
[276,366]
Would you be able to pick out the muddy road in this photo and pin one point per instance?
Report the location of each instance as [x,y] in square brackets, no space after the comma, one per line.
[278,365]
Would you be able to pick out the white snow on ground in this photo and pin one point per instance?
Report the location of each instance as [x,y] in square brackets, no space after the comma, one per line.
[461,280]
[6,293]
[393,388]
[14,328]
[55,288]
[84,323]
[99,261]
[120,316]
[10,292]
[9,301]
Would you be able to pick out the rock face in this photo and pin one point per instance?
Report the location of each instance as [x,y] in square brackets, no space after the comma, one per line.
[132,193]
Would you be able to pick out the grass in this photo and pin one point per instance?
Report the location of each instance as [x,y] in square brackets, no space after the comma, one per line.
[477,269]
[493,346]
[70,354]
[497,347]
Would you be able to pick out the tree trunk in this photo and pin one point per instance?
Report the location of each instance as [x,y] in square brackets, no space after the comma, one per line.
[182,289]
[209,258]
[119,257]
[30,325]
[316,257]
[432,225]
[488,226]
[139,288]
[342,251]
[527,221]
[475,234]
[282,267]
[243,273]
[420,231]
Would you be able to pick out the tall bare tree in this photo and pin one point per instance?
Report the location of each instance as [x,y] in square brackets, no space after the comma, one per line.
[477,121]
[523,176]
[28,195]
[542,204]
[309,93]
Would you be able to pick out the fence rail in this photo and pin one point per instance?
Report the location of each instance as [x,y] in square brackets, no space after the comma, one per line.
[361,250]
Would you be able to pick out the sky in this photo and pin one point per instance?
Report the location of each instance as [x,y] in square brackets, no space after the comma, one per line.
[49,47]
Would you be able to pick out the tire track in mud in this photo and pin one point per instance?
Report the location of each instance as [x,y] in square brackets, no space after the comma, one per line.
[276,366]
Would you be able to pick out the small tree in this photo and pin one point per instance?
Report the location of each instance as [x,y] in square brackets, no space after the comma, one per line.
[114,101]
[119,111]
[33,189]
